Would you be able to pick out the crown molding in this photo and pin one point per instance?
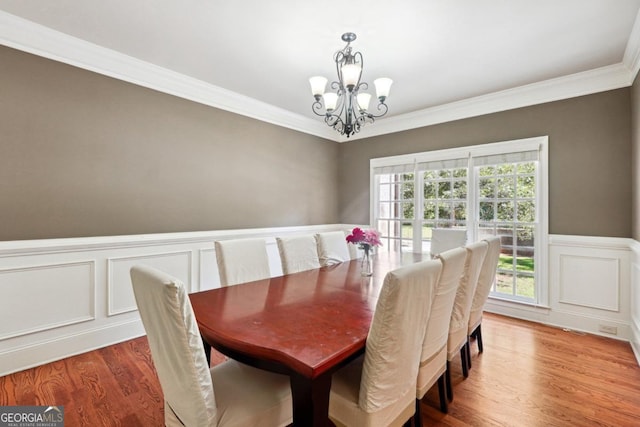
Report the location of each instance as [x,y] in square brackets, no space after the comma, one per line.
[579,84]
[28,36]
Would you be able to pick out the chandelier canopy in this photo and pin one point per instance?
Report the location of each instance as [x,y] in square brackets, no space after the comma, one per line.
[347,109]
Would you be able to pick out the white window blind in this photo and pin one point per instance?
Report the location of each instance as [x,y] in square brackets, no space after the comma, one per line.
[394,169]
[443,164]
[514,157]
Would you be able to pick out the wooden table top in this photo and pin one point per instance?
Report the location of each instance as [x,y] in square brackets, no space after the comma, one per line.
[308,322]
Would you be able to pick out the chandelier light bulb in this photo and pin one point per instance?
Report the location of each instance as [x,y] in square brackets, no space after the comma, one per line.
[330,101]
[383,85]
[363,101]
[318,85]
[351,75]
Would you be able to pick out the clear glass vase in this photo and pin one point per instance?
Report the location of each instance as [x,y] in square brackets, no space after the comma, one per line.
[366,266]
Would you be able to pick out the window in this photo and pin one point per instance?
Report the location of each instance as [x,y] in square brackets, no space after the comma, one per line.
[396,210]
[445,200]
[493,189]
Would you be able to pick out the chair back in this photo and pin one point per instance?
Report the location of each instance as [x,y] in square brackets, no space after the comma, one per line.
[354,252]
[242,260]
[485,281]
[443,239]
[332,248]
[395,338]
[298,253]
[176,346]
[433,360]
[464,296]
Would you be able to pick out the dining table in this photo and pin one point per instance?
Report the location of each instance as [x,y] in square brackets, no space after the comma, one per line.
[305,325]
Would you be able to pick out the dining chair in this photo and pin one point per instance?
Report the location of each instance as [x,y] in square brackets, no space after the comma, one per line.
[433,361]
[242,260]
[332,248]
[379,388]
[244,396]
[298,253]
[485,281]
[354,253]
[458,340]
[443,239]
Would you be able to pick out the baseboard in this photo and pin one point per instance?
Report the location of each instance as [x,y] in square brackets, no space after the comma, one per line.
[635,338]
[565,320]
[60,347]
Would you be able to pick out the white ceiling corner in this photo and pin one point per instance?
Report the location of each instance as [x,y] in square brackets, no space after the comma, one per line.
[631,57]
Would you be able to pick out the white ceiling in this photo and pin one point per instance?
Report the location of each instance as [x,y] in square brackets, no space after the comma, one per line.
[448,59]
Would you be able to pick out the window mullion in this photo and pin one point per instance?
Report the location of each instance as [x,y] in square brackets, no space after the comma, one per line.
[418,209]
[473,200]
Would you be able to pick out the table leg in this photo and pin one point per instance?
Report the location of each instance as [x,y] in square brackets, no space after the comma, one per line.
[207,350]
[310,400]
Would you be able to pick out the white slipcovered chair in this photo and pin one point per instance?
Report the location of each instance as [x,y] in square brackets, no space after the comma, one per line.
[485,281]
[332,248]
[244,396]
[242,260]
[298,253]
[458,340]
[379,388]
[443,239]
[433,362]
[354,253]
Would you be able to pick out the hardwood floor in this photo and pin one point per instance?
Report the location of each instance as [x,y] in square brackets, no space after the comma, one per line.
[529,375]
[533,375]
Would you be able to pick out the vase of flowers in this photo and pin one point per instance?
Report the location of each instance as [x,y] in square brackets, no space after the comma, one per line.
[365,239]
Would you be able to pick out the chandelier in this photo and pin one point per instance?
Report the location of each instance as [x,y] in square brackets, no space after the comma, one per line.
[347,109]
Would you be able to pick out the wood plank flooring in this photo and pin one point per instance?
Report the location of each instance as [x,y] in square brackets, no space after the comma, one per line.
[529,375]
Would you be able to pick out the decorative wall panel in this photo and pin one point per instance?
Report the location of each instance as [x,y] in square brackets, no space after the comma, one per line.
[121,298]
[590,281]
[42,297]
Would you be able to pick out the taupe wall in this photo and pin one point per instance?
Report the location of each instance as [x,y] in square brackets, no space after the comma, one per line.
[87,155]
[635,141]
[82,154]
[589,156]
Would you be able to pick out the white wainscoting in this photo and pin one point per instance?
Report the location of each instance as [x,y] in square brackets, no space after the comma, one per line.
[589,287]
[61,297]
[635,300]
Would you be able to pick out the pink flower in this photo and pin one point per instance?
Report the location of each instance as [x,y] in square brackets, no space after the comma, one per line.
[356,236]
[367,237]
[372,237]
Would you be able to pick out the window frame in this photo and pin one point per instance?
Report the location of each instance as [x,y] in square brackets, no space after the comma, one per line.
[539,144]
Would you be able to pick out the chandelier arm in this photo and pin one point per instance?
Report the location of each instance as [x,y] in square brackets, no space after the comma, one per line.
[339,59]
[381,107]
[317,107]
[362,85]
[365,118]
[340,106]
[335,122]
[357,56]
